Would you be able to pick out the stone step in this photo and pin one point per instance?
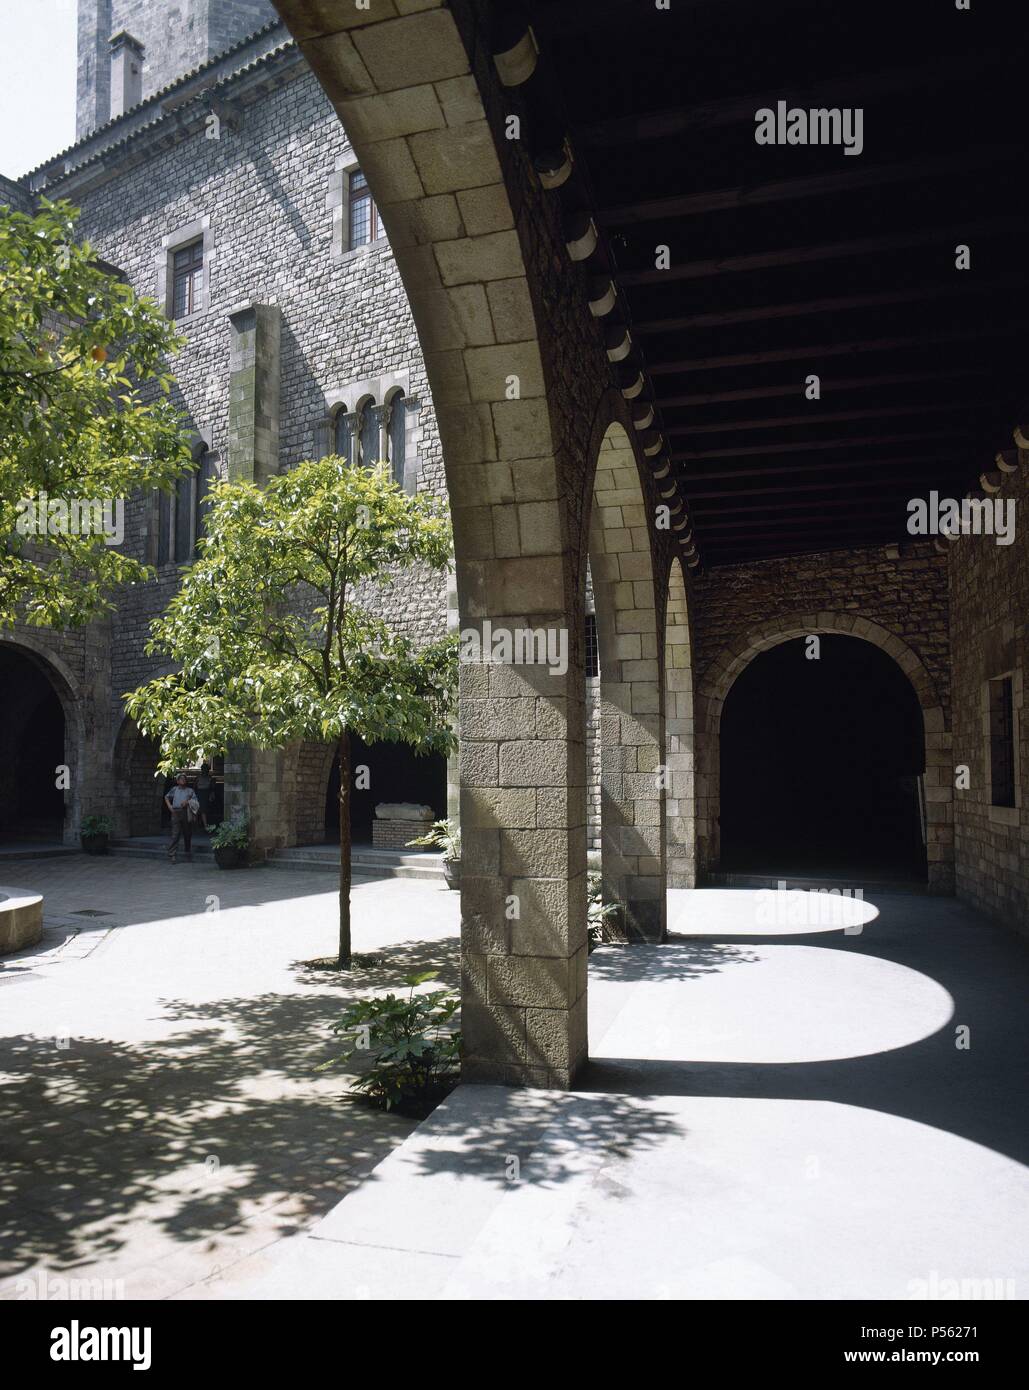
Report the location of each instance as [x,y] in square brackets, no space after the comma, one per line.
[365,862]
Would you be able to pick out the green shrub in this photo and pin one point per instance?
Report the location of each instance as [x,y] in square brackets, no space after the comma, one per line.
[413,1051]
[95,825]
[597,910]
[444,835]
[231,834]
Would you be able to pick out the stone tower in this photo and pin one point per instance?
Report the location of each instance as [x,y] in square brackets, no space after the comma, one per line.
[154,43]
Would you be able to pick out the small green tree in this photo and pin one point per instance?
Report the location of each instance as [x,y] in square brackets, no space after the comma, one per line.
[86,417]
[272,643]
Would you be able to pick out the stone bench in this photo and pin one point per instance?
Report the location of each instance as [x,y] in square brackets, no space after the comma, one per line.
[21,918]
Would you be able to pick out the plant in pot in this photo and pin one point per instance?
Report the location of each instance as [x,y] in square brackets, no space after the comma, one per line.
[444,835]
[95,834]
[230,842]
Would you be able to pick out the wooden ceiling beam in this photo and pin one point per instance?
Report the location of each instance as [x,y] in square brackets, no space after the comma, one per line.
[819,351]
[809,255]
[764,313]
[743,196]
[773,422]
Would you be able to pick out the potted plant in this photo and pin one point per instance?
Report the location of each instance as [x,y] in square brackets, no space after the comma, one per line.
[230,842]
[444,835]
[95,834]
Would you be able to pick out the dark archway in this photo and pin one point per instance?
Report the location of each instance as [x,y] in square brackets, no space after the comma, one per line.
[32,748]
[821,761]
[395,773]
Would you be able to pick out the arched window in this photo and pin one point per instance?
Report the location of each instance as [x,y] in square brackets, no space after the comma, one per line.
[371,419]
[343,434]
[397,435]
[206,474]
[164,512]
[183,537]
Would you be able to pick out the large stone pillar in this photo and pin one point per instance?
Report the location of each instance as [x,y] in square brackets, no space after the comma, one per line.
[523,873]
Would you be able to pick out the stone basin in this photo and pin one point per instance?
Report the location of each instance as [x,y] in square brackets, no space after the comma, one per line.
[21,918]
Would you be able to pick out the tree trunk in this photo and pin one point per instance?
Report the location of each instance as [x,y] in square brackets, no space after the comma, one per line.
[344,851]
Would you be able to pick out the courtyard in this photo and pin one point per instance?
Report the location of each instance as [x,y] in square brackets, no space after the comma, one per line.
[809,1098]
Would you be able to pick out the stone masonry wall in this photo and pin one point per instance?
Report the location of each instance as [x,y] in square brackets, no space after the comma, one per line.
[907,595]
[266,195]
[989,598]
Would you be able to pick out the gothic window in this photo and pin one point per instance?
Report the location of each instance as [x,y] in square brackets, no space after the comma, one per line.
[371,420]
[364,218]
[397,428]
[187,279]
[343,434]
[164,511]
[206,474]
[183,535]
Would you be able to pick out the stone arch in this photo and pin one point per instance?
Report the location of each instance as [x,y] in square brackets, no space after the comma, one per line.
[631,722]
[680,805]
[515,365]
[719,676]
[313,763]
[137,806]
[68,691]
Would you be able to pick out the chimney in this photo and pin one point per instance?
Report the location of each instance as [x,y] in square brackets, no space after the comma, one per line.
[126,73]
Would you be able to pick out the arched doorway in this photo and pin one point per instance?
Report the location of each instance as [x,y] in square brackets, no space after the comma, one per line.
[33,740]
[139,808]
[822,755]
[384,772]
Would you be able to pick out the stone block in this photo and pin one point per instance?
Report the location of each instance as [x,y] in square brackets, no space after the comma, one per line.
[529,981]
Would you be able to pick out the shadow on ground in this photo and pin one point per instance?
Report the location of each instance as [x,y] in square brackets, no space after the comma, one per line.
[191,1134]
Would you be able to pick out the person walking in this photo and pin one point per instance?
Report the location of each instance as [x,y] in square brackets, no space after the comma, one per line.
[183,806]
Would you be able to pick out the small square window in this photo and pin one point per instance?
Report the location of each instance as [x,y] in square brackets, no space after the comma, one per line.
[1002,741]
[187,279]
[364,218]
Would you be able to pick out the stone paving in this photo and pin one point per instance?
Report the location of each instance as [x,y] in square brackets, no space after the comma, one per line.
[780,1104]
[161,1113]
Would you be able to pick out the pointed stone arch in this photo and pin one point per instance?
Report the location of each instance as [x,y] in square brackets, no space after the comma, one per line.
[719,676]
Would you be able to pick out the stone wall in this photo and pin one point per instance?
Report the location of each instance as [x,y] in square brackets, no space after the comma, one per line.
[895,598]
[176,38]
[905,593]
[989,601]
[266,198]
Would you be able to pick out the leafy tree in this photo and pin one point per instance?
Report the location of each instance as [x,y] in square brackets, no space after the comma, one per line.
[273,643]
[85,416]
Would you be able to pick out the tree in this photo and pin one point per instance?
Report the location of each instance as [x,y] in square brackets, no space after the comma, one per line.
[86,418]
[272,640]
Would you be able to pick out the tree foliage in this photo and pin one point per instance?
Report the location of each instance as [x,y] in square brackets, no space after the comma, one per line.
[273,639]
[86,414]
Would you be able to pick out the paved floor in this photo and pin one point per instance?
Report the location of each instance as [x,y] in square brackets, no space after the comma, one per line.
[781,1104]
[160,1112]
